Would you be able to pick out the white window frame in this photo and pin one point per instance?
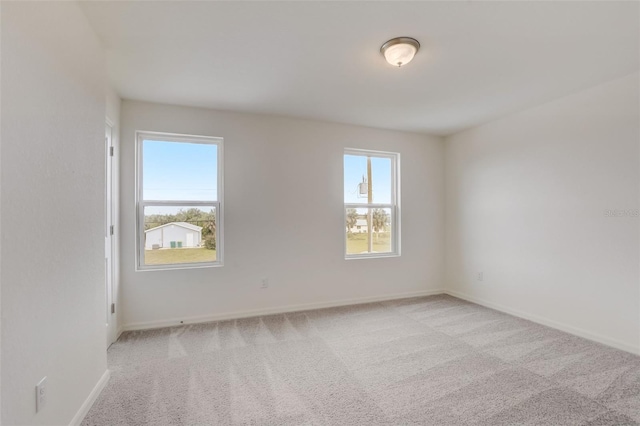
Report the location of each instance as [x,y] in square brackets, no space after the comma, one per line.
[394,206]
[141,203]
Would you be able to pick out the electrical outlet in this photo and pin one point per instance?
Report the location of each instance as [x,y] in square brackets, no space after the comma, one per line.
[41,394]
[264,283]
[480,276]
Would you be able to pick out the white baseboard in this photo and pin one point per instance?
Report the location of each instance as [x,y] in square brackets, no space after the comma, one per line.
[278,310]
[549,323]
[88,403]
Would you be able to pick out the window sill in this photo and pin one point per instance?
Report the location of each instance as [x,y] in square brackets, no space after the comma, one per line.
[371,256]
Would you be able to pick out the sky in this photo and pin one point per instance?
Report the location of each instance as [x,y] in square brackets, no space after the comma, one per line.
[355,167]
[178,171]
[188,172]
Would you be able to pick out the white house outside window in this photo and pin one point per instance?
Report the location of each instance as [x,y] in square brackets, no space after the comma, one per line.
[179,201]
[371,203]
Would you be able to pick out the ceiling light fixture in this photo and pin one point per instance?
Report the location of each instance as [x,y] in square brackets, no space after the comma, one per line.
[400,51]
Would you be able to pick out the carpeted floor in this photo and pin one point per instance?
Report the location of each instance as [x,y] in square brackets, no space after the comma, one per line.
[431,361]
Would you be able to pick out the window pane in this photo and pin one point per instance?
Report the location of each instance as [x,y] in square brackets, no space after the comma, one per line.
[358,233]
[356,180]
[174,235]
[179,171]
[381,180]
[381,227]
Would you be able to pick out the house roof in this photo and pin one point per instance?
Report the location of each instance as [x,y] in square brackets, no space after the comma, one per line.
[182,224]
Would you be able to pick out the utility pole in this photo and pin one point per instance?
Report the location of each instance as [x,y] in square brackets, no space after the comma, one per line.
[369,201]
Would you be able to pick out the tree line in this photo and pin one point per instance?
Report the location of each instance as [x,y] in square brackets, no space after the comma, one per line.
[379,219]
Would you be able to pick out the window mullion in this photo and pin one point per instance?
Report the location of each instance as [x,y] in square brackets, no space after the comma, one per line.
[177,203]
[368,206]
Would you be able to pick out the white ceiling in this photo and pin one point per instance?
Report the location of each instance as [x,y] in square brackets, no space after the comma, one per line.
[321,60]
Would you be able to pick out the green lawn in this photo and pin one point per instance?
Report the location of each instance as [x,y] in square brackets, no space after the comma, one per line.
[357,243]
[178,255]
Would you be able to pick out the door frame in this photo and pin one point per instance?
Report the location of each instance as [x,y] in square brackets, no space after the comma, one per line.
[109,233]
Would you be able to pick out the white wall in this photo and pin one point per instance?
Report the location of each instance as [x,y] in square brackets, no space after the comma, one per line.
[53,109]
[525,203]
[280,175]
[0,220]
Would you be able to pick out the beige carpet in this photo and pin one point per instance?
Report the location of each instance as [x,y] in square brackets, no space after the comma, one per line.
[431,361]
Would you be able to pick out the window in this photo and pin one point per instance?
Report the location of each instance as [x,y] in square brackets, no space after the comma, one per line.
[178,201]
[371,208]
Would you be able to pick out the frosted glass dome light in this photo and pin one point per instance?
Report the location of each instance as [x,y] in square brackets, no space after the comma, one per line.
[400,51]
